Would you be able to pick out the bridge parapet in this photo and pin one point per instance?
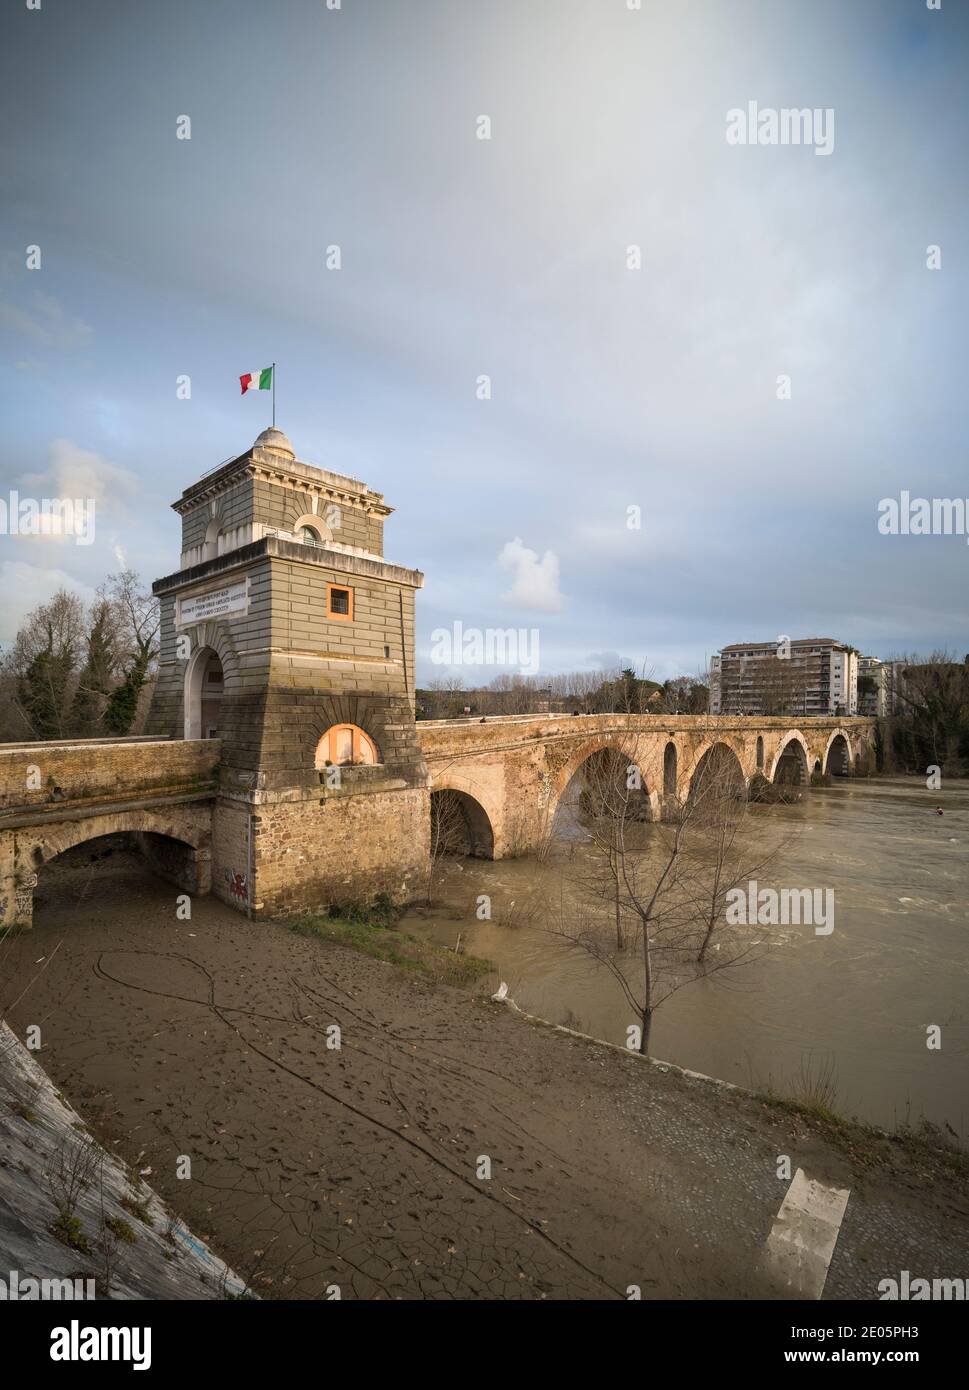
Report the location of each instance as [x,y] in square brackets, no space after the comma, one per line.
[438,737]
[73,774]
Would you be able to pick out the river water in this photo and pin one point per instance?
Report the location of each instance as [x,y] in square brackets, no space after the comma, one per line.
[853,1007]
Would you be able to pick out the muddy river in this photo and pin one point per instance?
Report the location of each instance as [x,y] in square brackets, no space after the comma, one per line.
[853,1007]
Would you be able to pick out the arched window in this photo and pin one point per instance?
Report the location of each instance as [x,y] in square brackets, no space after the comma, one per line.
[344,745]
[669,769]
[760,753]
[210,546]
[310,529]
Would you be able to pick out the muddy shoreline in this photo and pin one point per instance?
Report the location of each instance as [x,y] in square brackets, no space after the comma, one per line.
[360,1168]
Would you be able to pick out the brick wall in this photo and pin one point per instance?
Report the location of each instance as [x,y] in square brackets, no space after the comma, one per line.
[92,770]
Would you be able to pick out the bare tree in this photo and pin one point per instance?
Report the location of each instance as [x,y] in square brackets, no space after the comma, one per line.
[451,832]
[648,905]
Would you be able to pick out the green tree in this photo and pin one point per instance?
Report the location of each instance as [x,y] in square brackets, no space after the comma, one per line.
[97,674]
[39,670]
[42,691]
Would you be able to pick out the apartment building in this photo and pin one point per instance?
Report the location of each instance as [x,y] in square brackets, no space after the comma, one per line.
[809,675]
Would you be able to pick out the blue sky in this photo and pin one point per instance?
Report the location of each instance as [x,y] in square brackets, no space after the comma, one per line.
[611,388]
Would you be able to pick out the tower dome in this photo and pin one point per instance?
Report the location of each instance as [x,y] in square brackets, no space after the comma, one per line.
[276,441]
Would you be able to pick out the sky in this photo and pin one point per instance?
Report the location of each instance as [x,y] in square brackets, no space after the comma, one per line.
[462,258]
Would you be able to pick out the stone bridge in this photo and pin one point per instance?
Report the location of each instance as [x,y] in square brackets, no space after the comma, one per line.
[173,797]
[512,771]
[55,795]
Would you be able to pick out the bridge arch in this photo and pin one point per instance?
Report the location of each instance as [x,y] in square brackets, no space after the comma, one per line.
[65,836]
[460,825]
[719,764]
[792,761]
[838,754]
[175,843]
[606,767]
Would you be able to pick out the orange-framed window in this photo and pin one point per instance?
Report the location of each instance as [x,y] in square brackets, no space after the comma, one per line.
[344,745]
[339,602]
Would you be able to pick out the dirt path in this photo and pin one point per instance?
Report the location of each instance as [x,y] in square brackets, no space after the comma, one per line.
[359,1167]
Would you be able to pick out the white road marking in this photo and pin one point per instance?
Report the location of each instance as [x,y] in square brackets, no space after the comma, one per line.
[804,1234]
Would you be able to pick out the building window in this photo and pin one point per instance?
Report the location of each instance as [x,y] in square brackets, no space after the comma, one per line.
[345,746]
[310,534]
[339,602]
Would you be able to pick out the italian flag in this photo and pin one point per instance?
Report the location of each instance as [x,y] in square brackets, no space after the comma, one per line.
[257,381]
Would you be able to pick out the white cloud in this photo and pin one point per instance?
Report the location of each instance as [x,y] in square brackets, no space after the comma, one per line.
[76,472]
[536,581]
[26,586]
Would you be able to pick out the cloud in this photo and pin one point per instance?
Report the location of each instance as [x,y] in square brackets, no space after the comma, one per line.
[46,323]
[26,586]
[536,581]
[607,661]
[76,472]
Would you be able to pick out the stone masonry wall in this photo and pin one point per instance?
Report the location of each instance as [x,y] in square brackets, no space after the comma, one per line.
[90,770]
[341,850]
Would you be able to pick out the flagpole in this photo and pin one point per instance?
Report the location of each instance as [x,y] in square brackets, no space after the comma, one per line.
[274,395]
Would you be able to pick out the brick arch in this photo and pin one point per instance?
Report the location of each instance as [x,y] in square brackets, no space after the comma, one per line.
[581,752]
[838,733]
[71,833]
[706,750]
[298,510]
[453,779]
[208,636]
[362,711]
[215,635]
[188,826]
[783,743]
[324,532]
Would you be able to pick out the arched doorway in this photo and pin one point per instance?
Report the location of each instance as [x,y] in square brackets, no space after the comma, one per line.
[460,826]
[204,686]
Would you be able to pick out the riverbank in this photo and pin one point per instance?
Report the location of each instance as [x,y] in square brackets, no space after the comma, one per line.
[846,1012]
[73,1214]
[363,1167]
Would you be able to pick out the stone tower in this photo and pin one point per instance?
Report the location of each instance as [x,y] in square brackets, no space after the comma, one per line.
[288,636]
